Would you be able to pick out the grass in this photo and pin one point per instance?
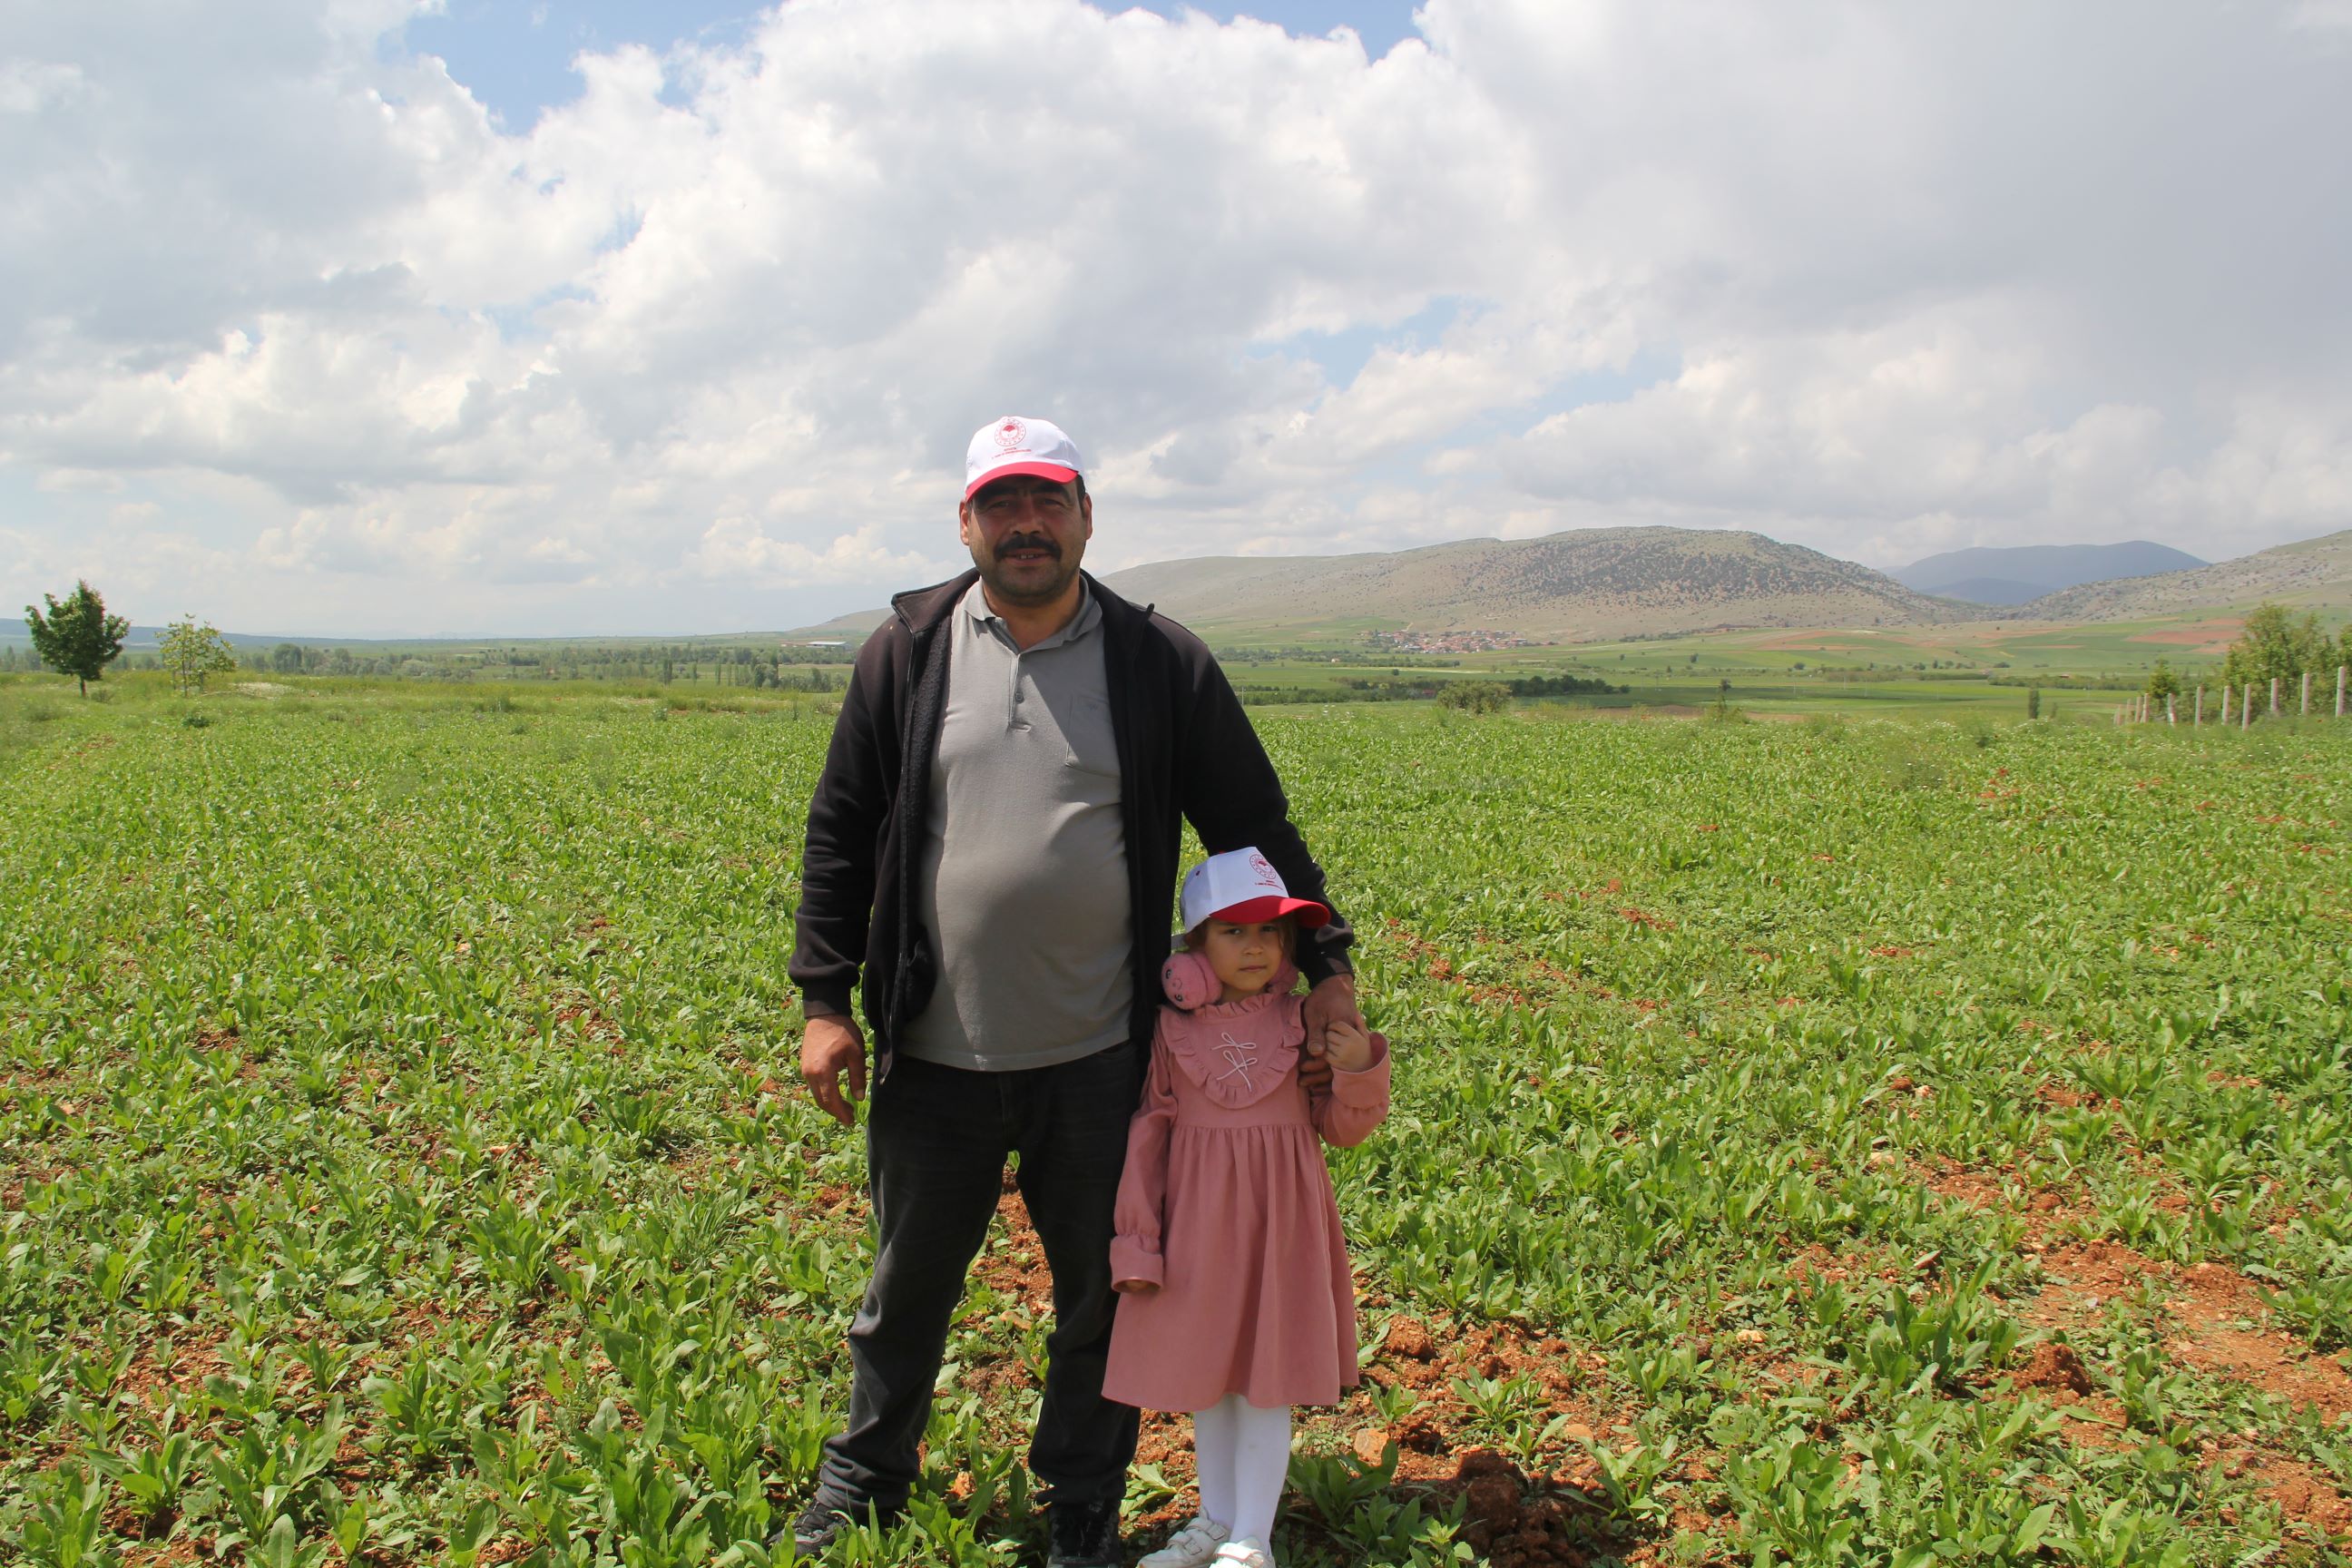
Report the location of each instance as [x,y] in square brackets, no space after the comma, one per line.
[1812,1141]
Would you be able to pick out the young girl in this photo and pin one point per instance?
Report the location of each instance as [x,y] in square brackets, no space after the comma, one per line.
[1238,1299]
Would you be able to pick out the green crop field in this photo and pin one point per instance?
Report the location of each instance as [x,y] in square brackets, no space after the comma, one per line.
[1953,672]
[1816,1143]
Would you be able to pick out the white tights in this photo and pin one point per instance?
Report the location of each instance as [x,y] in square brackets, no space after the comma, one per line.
[1242,1455]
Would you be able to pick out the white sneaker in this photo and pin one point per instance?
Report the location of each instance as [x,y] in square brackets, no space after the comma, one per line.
[1246,1553]
[1191,1546]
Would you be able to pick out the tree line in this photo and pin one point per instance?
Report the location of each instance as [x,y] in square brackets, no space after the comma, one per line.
[77,635]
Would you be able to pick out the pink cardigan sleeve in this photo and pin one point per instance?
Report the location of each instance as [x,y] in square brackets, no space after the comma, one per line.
[1346,1113]
[1143,1184]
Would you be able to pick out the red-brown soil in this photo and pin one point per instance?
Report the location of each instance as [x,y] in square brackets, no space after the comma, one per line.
[2212,636]
[2215,1322]
[2225,1329]
[2302,1493]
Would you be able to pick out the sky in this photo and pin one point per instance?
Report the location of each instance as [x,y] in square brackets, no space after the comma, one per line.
[374,318]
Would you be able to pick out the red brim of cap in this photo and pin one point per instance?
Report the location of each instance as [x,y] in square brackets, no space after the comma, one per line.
[1307,911]
[1054,471]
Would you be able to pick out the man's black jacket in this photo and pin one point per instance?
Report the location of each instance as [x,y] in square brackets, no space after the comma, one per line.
[1186,750]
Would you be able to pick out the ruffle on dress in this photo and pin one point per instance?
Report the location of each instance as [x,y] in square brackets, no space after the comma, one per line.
[1234,1072]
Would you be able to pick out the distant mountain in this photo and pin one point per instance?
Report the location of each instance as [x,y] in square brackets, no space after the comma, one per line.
[2313,573]
[2019,573]
[851,627]
[144,640]
[1576,587]
[147,639]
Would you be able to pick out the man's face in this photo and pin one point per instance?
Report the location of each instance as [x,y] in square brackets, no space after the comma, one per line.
[1027,536]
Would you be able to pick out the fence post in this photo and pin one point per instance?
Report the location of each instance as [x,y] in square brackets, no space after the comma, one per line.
[2171,716]
[2198,722]
[2339,691]
[2225,705]
[2246,708]
[2305,711]
[2275,680]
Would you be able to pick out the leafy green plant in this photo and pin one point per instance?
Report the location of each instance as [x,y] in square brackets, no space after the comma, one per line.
[1795,1497]
[1912,1347]
[64,1527]
[152,1479]
[272,1476]
[1630,1476]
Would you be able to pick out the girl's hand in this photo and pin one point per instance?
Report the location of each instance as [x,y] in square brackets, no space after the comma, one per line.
[1348,1046]
[1136,1288]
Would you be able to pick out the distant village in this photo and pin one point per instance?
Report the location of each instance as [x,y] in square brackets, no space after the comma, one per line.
[1473,639]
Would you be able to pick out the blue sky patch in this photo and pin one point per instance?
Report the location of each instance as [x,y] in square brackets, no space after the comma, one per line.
[515,56]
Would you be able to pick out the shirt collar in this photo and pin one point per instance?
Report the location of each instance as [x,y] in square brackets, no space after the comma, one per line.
[1089,617]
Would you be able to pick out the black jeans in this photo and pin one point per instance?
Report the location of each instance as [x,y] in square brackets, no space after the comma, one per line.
[936,1142]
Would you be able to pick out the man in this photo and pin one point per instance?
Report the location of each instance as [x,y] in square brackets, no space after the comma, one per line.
[994,845]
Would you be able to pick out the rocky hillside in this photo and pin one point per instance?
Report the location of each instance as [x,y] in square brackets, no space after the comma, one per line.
[2313,574]
[1574,586]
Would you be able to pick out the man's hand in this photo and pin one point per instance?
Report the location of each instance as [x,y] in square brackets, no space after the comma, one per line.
[830,1047]
[1332,1001]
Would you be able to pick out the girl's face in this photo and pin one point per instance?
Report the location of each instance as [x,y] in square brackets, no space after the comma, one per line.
[1244,957]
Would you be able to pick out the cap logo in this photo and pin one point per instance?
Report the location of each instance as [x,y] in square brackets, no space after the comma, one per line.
[1266,874]
[1012,435]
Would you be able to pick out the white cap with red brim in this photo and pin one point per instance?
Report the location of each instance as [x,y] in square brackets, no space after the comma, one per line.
[1017,446]
[1241,885]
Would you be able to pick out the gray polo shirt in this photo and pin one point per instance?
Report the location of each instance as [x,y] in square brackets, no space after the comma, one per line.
[1023,879]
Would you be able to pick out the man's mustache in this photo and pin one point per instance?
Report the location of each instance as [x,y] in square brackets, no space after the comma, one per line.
[1041,541]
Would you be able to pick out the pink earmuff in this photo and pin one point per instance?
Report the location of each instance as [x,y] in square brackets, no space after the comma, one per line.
[1188,981]
[1190,984]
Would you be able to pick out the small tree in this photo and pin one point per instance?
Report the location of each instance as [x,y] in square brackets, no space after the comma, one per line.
[2161,682]
[2033,702]
[191,650]
[2275,647]
[78,637]
[1475,696]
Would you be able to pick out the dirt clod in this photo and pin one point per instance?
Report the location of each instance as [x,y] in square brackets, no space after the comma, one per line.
[1490,1493]
[1422,1436]
[2057,1368]
[1408,1337]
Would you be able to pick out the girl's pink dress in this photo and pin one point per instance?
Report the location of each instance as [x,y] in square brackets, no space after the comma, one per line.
[1225,1204]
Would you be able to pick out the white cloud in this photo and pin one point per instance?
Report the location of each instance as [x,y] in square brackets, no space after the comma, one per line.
[709,339]
[27,87]
[740,549]
[2320,15]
